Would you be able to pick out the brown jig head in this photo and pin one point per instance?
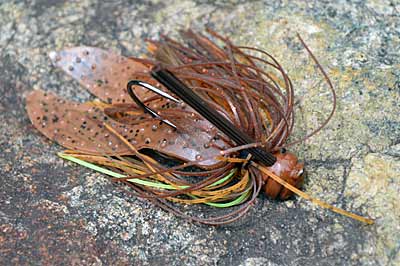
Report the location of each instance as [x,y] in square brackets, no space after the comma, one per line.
[253,92]
[289,169]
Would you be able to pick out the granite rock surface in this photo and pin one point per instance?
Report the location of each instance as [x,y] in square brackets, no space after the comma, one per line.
[56,213]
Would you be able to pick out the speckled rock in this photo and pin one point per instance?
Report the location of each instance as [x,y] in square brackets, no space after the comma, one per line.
[56,213]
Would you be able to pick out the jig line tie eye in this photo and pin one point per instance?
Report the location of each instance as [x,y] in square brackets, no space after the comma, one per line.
[147,109]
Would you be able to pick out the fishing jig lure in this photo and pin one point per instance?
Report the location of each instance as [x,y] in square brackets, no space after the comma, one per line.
[220,139]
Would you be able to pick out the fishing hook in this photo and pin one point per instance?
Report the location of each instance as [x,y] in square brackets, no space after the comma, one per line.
[147,109]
